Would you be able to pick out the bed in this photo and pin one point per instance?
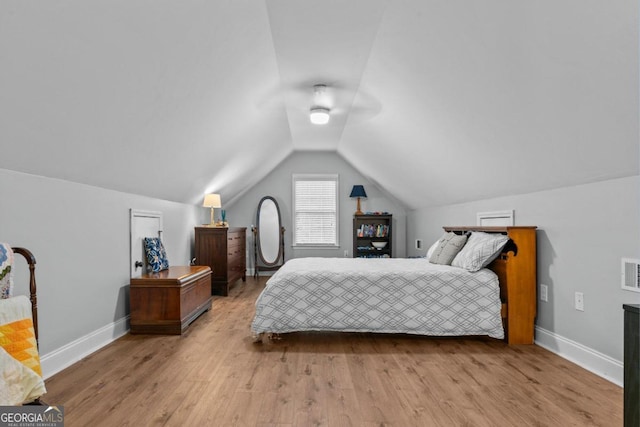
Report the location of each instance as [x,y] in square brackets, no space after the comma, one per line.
[409,296]
[21,379]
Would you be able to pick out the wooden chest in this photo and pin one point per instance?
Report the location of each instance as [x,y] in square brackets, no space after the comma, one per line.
[168,301]
[223,249]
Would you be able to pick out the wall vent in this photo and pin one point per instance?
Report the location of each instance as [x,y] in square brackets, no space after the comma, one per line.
[631,274]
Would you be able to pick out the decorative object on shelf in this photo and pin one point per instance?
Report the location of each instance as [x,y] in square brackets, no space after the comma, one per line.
[379,245]
[371,230]
[223,219]
[212,201]
[319,113]
[358,191]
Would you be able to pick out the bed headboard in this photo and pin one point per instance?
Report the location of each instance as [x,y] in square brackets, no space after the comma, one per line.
[516,268]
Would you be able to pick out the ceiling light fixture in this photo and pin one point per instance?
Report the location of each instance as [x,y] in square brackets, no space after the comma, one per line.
[319,115]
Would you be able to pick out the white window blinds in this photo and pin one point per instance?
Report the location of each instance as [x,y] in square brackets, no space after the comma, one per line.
[315,205]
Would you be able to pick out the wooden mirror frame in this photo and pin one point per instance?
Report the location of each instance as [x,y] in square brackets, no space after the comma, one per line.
[260,263]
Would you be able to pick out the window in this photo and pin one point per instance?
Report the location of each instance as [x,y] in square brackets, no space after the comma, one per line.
[315,210]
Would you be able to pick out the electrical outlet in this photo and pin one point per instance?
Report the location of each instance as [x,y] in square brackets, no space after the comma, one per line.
[346,253]
[544,293]
[418,243]
[579,301]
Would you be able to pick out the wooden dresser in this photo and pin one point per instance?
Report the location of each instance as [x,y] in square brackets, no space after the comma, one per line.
[167,302]
[222,249]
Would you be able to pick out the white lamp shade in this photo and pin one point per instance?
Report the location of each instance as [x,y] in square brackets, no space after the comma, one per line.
[212,201]
[319,116]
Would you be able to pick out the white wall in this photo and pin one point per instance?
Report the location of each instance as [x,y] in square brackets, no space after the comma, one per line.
[583,232]
[278,185]
[80,237]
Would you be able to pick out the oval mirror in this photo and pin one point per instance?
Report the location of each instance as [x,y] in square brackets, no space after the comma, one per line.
[269,231]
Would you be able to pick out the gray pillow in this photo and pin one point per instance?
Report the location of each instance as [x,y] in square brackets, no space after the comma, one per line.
[447,249]
[480,250]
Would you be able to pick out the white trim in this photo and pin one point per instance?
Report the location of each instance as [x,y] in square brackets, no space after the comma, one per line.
[67,355]
[495,218]
[135,244]
[146,214]
[332,177]
[600,364]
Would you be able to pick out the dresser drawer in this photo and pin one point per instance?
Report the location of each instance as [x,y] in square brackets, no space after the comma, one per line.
[235,268]
[236,256]
[235,272]
[235,239]
[234,253]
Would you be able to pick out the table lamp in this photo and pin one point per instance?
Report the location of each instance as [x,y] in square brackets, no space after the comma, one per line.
[212,201]
[358,191]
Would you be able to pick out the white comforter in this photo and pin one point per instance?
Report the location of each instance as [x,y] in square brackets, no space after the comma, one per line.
[394,295]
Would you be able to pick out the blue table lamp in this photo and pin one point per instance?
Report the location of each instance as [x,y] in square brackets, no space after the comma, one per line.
[358,191]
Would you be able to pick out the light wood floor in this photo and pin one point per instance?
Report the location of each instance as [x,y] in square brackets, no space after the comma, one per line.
[214,375]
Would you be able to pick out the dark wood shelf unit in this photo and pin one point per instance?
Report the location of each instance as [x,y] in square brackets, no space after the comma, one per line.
[362,244]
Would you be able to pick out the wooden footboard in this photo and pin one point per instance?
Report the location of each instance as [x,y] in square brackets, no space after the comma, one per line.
[516,268]
[31,260]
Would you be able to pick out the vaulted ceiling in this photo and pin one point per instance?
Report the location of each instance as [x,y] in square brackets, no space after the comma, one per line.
[436,101]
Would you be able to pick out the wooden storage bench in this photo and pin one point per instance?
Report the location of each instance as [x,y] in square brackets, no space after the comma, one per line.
[168,301]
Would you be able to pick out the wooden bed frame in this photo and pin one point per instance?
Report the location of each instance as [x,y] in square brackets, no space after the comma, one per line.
[516,270]
[31,260]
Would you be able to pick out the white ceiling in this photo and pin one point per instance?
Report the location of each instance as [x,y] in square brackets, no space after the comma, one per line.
[437,101]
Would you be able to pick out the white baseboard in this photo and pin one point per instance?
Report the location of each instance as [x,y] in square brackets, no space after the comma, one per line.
[67,355]
[600,364]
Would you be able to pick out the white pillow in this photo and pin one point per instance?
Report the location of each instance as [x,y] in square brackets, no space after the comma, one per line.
[432,249]
[480,249]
